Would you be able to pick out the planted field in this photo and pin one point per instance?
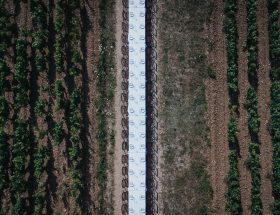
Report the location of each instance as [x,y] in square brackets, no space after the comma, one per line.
[241,37]
[212,97]
[56,91]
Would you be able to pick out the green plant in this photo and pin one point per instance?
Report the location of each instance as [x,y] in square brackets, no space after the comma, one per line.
[58,133]
[252,106]
[233,196]
[210,71]
[40,107]
[274,52]
[4,150]
[59,42]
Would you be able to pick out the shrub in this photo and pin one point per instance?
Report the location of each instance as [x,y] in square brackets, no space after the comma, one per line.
[58,133]
[233,196]
[58,91]
[40,107]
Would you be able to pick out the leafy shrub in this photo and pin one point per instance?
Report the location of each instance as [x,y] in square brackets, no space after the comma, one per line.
[252,107]
[58,91]
[21,75]
[59,42]
[274,48]
[40,107]
[233,196]
[4,151]
[58,133]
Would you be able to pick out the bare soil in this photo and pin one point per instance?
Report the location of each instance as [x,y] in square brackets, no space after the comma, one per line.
[89,45]
[266,150]
[118,152]
[217,109]
[243,133]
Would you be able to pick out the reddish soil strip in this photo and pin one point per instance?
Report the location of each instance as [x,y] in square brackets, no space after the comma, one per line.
[118,116]
[243,134]
[161,123]
[90,15]
[218,113]
[263,107]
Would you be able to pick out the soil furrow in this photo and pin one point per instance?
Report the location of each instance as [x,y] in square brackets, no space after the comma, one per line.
[218,115]
[243,133]
[118,116]
[263,107]
[90,36]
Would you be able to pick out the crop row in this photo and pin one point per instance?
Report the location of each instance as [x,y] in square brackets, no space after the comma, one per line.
[233,195]
[75,116]
[274,53]
[21,129]
[4,109]
[59,68]
[252,107]
[39,15]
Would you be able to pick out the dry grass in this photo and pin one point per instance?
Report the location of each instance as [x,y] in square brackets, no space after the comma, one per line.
[182,70]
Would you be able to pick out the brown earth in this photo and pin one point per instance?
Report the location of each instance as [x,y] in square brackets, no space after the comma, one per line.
[58,175]
[90,42]
[243,133]
[118,152]
[263,107]
[217,108]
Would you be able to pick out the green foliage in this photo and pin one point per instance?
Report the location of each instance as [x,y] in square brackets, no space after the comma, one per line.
[74,151]
[275,74]
[232,131]
[75,119]
[59,95]
[19,158]
[74,37]
[211,73]
[274,48]
[233,195]
[4,108]
[39,159]
[231,35]
[40,63]
[39,167]
[39,40]
[252,108]
[18,206]
[58,133]
[21,75]
[40,107]
[4,71]
[20,146]
[4,151]
[254,165]
[59,42]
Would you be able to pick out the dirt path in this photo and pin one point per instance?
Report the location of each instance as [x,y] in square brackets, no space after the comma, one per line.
[263,107]
[118,116]
[218,114]
[243,134]
[160,123]
[90,42]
